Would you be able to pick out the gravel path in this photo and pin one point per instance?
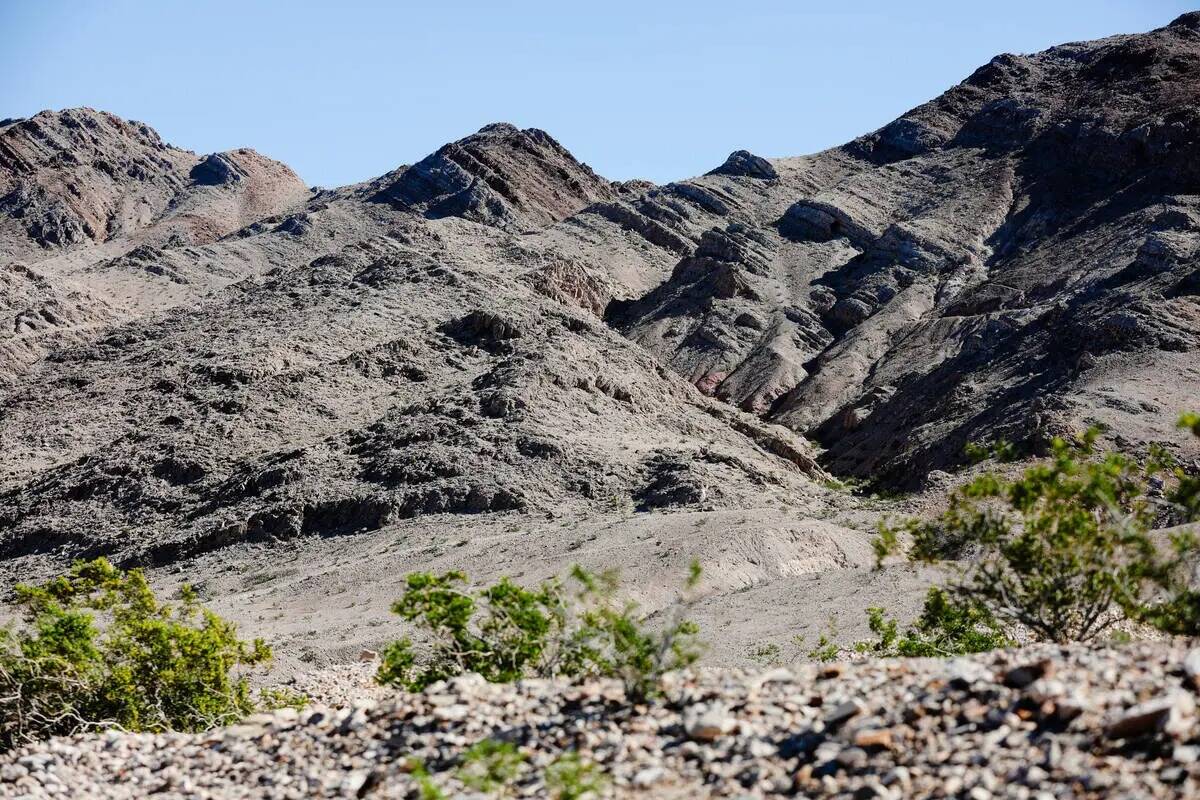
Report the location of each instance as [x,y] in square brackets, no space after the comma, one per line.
[1041,722]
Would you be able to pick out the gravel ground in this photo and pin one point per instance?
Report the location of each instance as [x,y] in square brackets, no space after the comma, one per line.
[1040,722]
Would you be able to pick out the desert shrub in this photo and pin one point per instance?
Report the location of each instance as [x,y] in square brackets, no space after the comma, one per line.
[503,632]
[614,639]
[826,648]
[766,654]
[1063,551]
[1186,494]
[569,777]
[491,767]
[426,786]
[945,628]
[279,697]
[97,649]
[506,632]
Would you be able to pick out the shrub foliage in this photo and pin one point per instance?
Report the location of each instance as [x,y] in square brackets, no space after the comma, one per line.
[97,649]
[945,628]
[505,632]
[1062,552]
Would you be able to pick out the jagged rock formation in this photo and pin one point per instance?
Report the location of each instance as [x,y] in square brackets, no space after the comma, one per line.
[82,176]
[1012,259]
[500,176]
[204,352]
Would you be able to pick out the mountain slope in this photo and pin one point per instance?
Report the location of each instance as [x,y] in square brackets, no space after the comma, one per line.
[1015,258]
[205,353]
[375,362]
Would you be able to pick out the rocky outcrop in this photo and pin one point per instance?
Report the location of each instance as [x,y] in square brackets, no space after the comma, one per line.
[80,176]
[501,176]
[745,163]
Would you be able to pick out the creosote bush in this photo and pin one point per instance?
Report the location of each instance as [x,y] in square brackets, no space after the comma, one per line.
[496,768]
[1062,553]
[505,632]
[945,628]
[97,649]
[572,778]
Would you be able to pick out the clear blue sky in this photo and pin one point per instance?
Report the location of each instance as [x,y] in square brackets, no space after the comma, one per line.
[343,91]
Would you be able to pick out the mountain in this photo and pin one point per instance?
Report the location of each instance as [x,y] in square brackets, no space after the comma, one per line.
[1014,259]
[200,354]
[360,357]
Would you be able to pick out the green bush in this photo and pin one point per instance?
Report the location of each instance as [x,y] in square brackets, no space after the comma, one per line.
[572,778]
[506,632]
[945,628]
[1062,552]
[503,632]
[491,767]
[1186,495]
[98,650]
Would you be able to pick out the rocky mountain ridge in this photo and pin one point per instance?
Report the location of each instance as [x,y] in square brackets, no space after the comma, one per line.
[203,351]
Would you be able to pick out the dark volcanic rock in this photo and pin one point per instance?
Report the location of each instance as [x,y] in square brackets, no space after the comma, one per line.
[743,162]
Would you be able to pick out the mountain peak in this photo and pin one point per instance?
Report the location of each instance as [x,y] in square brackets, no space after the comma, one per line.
[504,128]
[501,176]
[79,175]
[1191,20]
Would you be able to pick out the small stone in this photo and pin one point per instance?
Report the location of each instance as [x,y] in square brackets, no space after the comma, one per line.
[844,711]
[1168,714]
[873,737]
[13,772]
[900,776]
[1022,676]
[873,790]
[1035,776]
[354,781]
[759,748]
[707,723]
[648,776]
[853,758]
[965,673]
[827,751]
[1186,753]
[368,655]
[454,713]
[1046,689]
[1191,668]
[1172,775]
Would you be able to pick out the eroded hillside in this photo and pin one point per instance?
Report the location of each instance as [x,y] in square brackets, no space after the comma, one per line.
[200,351]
